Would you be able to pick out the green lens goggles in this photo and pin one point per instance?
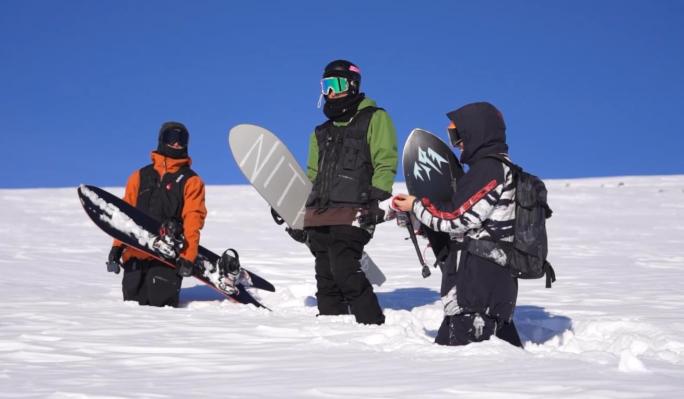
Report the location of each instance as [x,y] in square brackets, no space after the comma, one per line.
[334,84]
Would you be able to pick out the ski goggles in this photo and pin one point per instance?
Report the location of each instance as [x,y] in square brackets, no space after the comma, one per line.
[175,135]
[334,84]
[454,136]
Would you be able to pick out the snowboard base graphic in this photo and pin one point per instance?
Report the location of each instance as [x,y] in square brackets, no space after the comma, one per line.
[431,170]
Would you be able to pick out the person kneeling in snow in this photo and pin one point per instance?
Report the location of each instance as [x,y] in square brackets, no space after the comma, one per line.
[171,192]
[481,295]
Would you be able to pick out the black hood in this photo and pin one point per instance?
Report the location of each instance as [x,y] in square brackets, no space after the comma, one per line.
[482,128]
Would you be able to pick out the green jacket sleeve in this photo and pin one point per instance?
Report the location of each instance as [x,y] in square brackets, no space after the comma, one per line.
[382,138]
[312,162]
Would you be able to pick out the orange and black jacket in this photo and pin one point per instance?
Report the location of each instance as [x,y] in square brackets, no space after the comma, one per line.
[191,208]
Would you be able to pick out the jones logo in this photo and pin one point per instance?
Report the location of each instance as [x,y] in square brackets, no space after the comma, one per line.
[428,160]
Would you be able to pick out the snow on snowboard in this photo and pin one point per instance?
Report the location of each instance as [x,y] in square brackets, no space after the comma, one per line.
[136,229]
[273,171]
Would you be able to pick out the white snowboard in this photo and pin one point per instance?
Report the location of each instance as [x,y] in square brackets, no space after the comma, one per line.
[274,172]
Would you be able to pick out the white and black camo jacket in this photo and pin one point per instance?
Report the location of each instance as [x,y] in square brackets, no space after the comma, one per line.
[483,206]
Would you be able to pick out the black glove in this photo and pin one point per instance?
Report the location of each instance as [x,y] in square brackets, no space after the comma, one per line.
[184,267]
[371,216]
[379,195]
[114,260]
[297,234]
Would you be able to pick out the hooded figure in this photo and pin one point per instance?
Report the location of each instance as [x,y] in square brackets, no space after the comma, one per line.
[479,296]
[482,129]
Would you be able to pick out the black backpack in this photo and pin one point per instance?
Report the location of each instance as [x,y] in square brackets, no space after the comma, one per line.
[526,256]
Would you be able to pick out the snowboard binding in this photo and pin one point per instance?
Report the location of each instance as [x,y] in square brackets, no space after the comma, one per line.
[171,240]
[229,267]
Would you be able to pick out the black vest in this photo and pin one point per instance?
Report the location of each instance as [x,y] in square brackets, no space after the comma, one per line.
[162,198]
[345,169]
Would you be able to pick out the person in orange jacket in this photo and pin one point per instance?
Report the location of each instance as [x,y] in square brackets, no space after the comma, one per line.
[171,192]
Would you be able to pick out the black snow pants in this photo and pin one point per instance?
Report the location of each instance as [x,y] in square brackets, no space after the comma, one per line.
[486,294]
[341,285]
[150,282]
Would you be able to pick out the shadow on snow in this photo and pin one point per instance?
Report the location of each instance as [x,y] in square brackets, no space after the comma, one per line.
[199,293]
[536,325]
[407,298]
[399,299]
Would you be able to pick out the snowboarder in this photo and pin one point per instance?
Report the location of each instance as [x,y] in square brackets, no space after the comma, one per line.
[480,295]
[352,163]
[171,192]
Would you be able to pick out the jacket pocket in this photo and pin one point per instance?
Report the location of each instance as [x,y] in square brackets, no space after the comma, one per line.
[351,153]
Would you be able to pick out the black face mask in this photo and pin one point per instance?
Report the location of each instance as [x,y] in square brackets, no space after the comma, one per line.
[342,109]
[176,153]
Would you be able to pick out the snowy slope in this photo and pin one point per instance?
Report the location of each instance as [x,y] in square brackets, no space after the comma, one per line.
[612,326]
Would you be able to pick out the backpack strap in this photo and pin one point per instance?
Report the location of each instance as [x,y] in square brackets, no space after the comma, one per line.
[503,158]
[517,171]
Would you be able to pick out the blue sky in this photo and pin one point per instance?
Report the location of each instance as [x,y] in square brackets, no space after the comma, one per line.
[588,88]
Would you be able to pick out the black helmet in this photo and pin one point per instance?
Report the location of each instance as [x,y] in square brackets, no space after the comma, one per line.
[345,69]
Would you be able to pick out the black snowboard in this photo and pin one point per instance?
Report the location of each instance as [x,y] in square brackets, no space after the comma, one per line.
[136,229]
[431,170]
[430,167]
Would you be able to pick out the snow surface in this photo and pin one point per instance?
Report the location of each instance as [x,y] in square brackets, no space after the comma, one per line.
[612,326]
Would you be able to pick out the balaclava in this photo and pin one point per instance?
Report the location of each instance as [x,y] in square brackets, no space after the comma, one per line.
[173,132]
